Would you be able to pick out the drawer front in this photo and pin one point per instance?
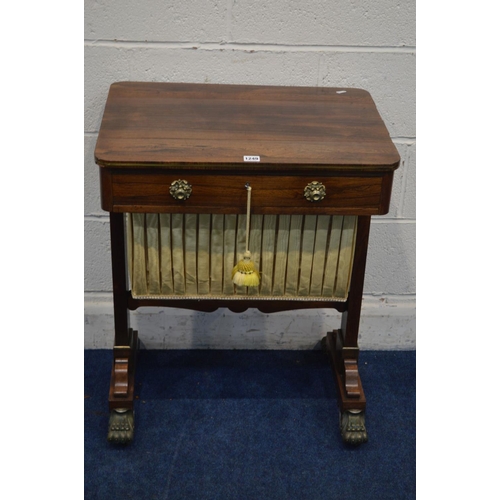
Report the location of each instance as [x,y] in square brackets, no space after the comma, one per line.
[148,192]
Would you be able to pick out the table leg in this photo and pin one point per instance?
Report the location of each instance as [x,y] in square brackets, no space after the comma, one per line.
[121,391]
[343,350]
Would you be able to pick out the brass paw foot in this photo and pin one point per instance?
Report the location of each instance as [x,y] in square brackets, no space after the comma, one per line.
[352,427]
[121,426]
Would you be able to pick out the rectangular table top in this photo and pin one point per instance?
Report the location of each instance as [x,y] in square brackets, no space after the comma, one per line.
[155,124]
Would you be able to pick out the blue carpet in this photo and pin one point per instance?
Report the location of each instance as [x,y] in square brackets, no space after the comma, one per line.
[251,425]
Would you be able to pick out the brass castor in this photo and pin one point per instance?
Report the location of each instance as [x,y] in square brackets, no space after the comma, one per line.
[121,426]
[352,427]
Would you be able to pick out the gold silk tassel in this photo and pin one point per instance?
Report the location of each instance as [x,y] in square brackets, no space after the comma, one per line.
[245,273]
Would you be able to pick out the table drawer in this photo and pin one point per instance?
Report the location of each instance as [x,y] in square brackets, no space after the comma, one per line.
[348,194]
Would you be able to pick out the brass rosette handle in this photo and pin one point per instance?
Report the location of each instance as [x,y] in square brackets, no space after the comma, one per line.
[181,189]
[315,191]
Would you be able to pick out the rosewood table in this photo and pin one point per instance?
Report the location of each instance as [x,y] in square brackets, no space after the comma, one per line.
[178,163]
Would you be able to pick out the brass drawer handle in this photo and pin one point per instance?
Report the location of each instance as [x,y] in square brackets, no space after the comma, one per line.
[315,191]
[181,189]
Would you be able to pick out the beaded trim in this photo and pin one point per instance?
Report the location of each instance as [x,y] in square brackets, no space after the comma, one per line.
[241,297]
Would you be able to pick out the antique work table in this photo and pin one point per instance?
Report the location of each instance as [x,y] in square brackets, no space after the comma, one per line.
[175,161]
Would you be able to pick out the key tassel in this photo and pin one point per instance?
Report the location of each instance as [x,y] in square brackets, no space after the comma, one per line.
[245,272]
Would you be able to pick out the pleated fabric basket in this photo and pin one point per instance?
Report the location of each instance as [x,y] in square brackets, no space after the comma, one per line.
[299,257]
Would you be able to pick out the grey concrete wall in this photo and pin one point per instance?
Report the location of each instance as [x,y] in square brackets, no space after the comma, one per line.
[344,43]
